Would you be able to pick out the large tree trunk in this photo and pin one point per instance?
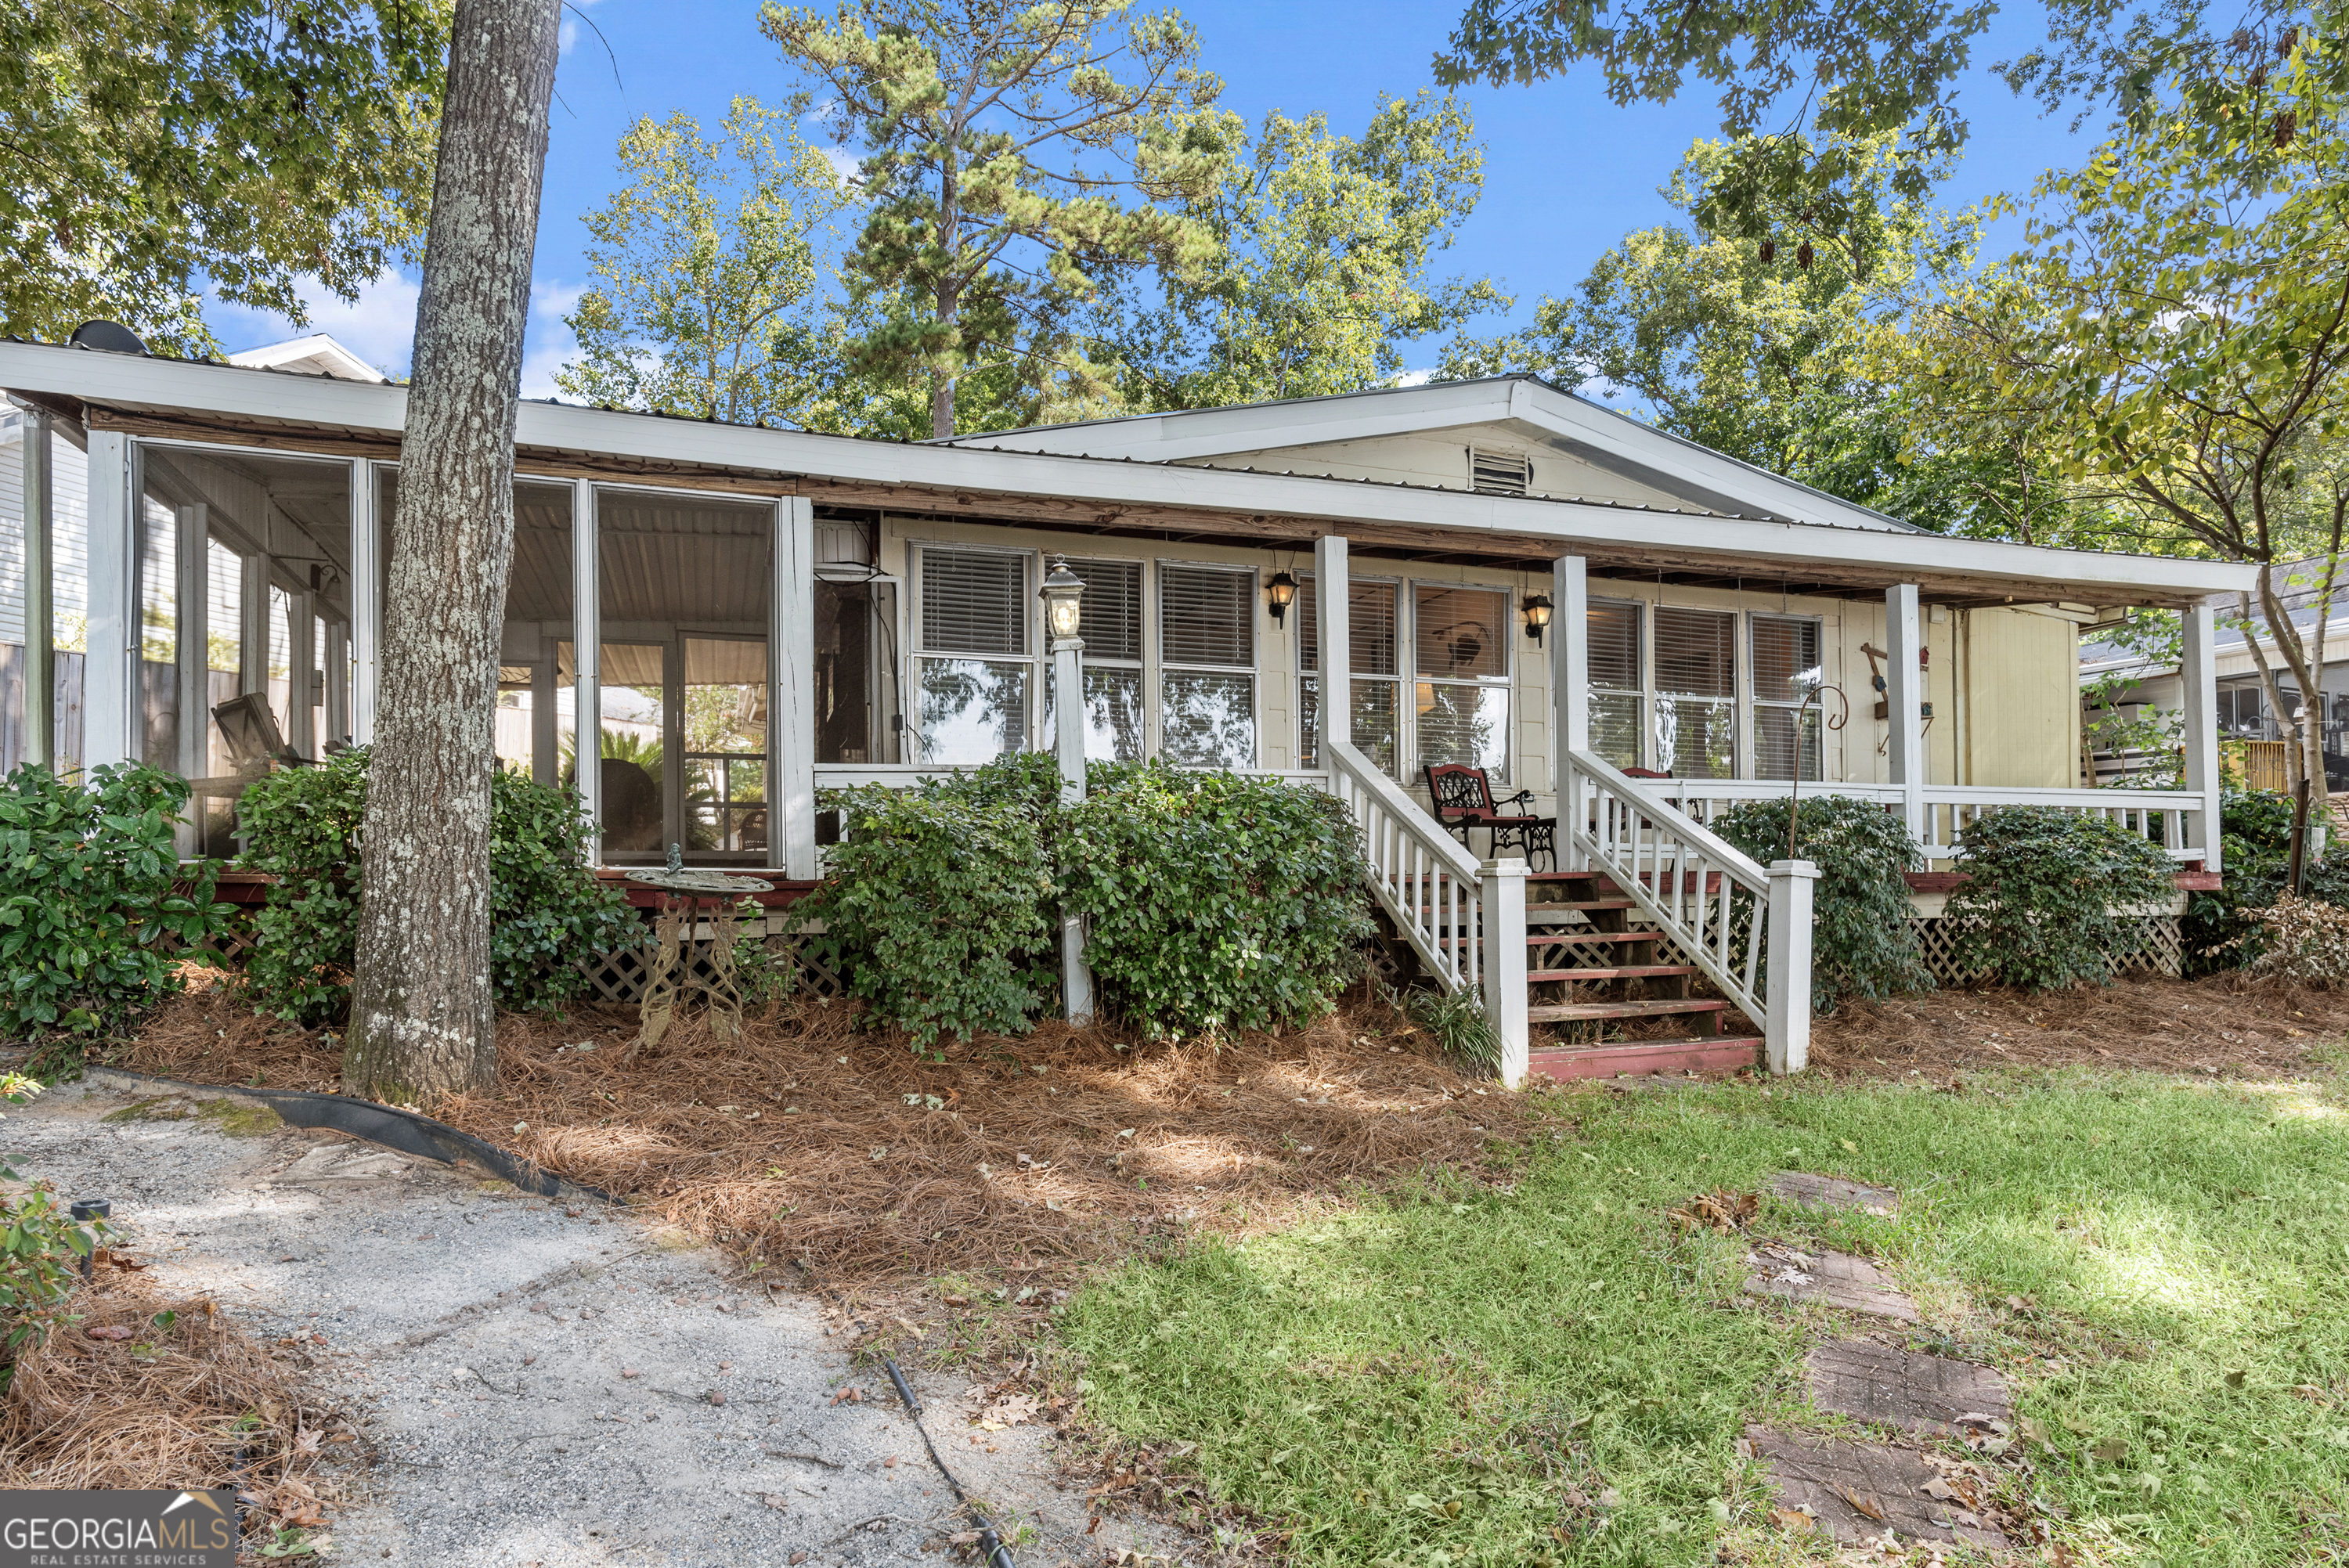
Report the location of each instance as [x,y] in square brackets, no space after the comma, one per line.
[422,1018]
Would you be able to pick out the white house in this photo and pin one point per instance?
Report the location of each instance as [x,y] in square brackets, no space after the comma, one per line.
[1492,572]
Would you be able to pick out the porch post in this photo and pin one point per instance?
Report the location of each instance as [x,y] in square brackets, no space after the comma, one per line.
[1506,1004]
[110,689]
[367,599]
[40,596]
[1569,664]
[545,724]
[1787,1032]
[2198,676]
[790,700]
[1333,601]
[301,674]
[252,633]
[337,658]
[586,668]
[1068,743]
[195,644]
[1904,690]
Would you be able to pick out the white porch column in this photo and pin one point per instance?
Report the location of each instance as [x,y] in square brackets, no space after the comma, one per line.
[1904,692]
[1506,1005]
[791,696]
[40,595]
[1069,745]
[1787,1032]
[587,666]
[110,718]
[366,596]
[1333,601]
[2198,674]
[1569,664]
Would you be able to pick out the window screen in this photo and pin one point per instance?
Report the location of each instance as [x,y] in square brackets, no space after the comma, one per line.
[1696,690]
[1460,647]
[1784,647]
[1785,732]
[1206,617]
[1376,695]
[974,601]
[1616,696]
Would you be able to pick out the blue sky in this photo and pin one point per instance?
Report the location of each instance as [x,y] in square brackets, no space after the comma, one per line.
[1566,172]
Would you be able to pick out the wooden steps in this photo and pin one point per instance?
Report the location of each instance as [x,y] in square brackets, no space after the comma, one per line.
[1620,972]
[1660,1007]
[1640,1059]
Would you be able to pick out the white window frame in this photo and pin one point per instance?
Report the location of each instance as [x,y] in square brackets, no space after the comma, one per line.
[918,650]
[1158,667]
[1751,700]
[1399,679]
[1146,665]
[1407,652]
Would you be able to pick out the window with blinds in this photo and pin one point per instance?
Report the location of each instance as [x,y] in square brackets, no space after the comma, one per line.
[1116,728]
[1696,692]
[974,601]
[1376,691]
[1206,651]
[974,674]
[1785,663]
[1618,691]
[1460,655]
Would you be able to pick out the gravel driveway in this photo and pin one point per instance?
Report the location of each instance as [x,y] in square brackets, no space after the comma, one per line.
[542,1382]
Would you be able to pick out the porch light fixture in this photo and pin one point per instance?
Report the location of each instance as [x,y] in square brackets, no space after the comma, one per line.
[1061,594]
[1279,593]
[1538,613]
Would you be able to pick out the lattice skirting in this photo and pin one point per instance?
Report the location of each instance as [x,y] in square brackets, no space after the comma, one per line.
[619,977]
[2153,946]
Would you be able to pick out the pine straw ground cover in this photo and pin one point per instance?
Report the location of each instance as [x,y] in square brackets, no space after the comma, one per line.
[809,1143]
[139,1389]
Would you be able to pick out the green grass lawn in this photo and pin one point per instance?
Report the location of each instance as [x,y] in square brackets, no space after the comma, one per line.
[1554,1373]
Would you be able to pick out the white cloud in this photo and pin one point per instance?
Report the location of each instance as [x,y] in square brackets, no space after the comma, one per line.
[548,342]
[1414,378]
[567,33]
[846,164]
[379,327]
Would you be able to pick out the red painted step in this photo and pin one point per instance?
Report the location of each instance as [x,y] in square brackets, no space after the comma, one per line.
[1641,1057]
[1623,972]
[1654,1009]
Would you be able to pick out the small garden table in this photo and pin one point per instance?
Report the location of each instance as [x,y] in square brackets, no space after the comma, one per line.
[668,965]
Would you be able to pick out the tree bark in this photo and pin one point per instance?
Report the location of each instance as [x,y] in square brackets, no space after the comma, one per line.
[422,1014]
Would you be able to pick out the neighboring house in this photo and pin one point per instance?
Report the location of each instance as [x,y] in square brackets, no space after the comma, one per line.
[2142,687]
[796,611]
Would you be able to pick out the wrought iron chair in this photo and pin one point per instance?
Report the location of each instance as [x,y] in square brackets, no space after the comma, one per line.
[1462,800]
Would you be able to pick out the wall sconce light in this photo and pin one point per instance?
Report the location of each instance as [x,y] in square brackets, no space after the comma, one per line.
[1062,594]
[1538,613]
[1279,593]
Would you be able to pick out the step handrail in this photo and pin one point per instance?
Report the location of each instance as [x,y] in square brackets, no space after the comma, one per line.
[1430,886]
[1681,873]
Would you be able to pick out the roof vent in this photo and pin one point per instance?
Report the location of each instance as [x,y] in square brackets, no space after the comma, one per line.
[1499,473]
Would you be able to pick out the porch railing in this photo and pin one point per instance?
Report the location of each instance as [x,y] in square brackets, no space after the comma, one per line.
[1747,927]
[1465,918]
[2165,817]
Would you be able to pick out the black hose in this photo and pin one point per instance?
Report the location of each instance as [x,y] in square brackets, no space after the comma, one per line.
[992,1550]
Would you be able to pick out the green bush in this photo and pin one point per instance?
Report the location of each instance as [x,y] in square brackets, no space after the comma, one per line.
[1217,902]
[2223,928]
[935,904]
[87,898]
[547,908]
[2042,886]
[1862,941]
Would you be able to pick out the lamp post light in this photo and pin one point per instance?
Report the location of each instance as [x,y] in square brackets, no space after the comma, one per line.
[1063,595]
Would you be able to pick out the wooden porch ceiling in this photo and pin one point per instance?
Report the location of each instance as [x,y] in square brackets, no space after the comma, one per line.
[1824,577]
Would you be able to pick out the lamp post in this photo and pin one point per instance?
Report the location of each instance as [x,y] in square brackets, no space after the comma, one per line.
[1064,593]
